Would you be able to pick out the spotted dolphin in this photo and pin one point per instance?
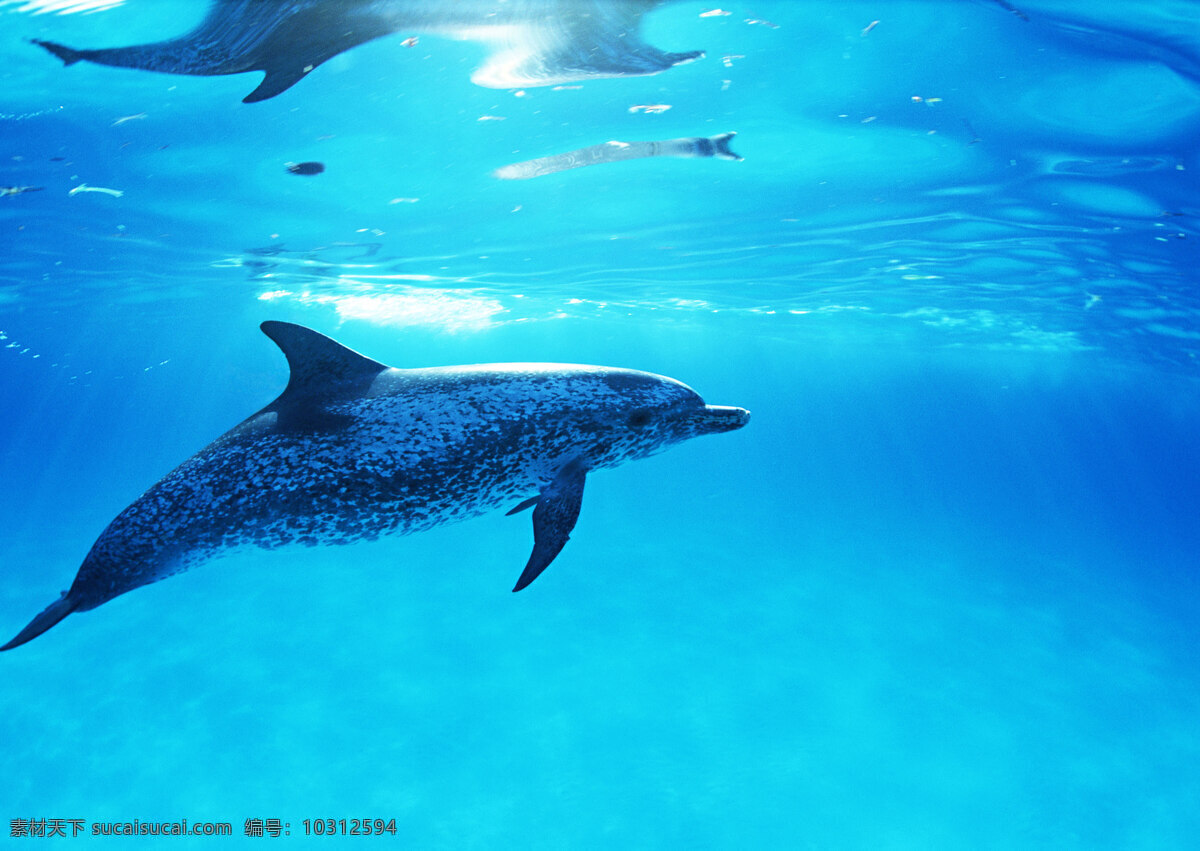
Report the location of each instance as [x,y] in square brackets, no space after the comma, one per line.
[352,450]
[531,42]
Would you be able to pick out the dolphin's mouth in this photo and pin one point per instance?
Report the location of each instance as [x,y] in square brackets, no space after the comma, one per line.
[719,418]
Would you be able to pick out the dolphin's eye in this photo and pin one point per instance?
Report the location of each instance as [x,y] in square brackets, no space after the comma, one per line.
[639,418]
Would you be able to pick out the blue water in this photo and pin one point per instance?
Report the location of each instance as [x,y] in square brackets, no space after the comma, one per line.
[941,592]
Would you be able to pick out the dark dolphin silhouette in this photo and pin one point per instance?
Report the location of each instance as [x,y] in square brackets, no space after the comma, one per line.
[533,42]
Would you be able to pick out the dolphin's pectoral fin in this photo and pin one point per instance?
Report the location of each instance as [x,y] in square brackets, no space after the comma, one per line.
[276,81]
[49,616]
[296,43]
[529,503]
[553,519]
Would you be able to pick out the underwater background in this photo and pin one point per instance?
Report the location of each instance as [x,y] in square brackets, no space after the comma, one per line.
[941,592]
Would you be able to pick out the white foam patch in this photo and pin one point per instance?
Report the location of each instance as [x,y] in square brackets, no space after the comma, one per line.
[456,310]
[997,330]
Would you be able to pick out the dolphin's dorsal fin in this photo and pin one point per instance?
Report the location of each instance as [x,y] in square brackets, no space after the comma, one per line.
[318,363]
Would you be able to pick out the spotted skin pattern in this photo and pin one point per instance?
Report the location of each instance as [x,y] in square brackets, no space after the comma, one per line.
[353,450]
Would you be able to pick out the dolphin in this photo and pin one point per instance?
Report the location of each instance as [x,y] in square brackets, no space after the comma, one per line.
[532,42]
[352,450]
[694,147]
[9,191]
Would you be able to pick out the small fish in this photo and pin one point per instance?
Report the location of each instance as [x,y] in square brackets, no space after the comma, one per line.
[307,169]
[18,190]
[123,119]
[83,187]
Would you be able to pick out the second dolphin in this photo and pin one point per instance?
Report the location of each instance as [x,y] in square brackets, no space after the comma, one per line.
[611,152]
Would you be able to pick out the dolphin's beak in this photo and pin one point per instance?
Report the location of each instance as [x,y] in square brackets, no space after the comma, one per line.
[719,418]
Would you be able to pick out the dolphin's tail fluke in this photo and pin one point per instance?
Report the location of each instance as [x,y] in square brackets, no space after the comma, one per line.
[721,148]
[68,55]
[50,615]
